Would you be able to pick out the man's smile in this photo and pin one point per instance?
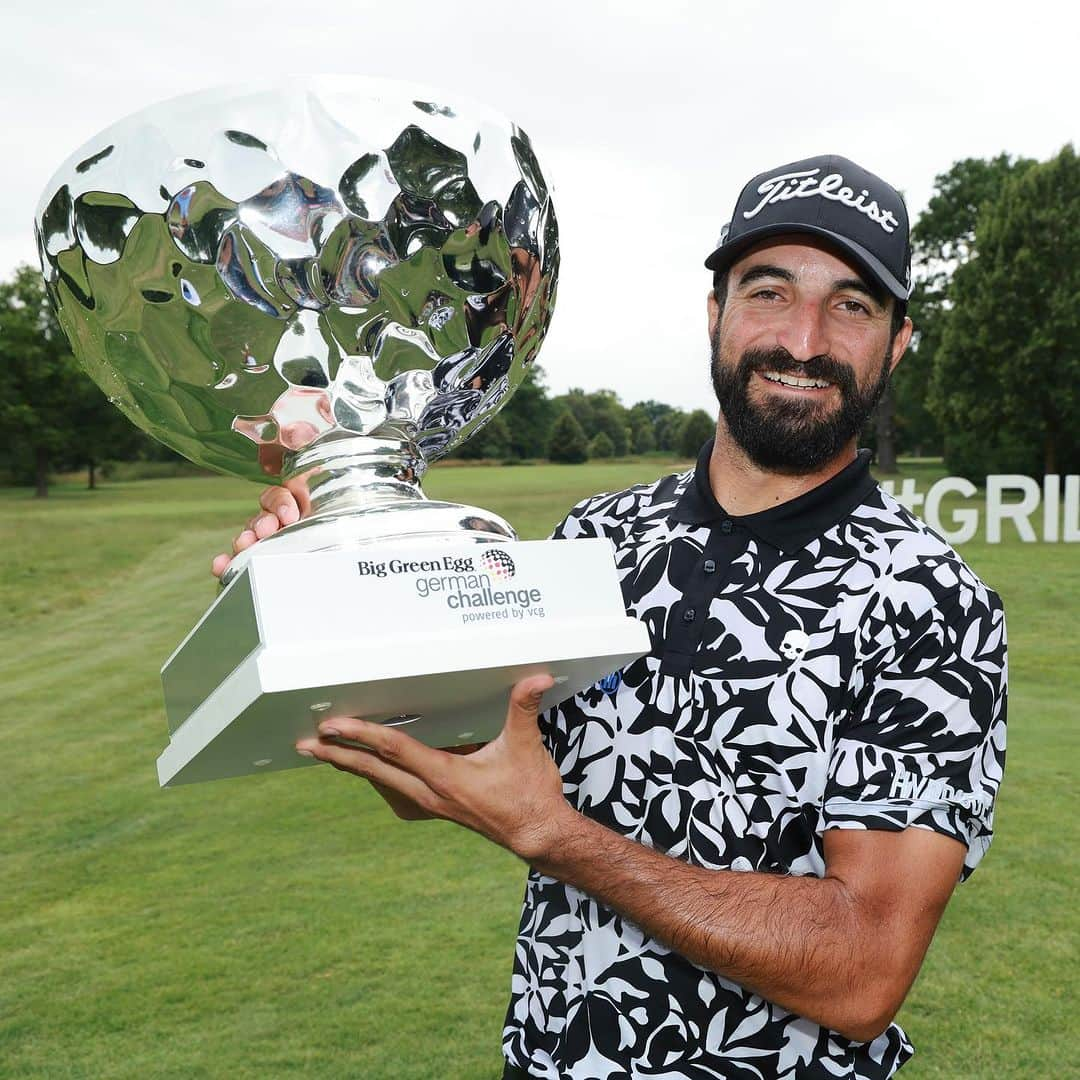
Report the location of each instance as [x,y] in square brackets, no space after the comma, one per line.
[795,382]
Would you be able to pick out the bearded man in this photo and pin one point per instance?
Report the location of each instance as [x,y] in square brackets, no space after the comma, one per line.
[741,844]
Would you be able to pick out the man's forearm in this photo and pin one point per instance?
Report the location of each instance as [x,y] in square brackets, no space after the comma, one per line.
[800,942]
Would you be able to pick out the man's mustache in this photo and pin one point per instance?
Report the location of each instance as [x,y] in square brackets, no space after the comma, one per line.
[783,363]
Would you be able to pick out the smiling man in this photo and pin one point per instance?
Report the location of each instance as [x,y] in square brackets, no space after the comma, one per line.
[741,844]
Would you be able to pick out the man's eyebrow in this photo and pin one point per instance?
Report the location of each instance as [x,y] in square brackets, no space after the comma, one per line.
[855,284]
[764,270]
[852,284]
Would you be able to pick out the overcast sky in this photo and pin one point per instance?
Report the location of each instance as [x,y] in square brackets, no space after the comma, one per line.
[648,117]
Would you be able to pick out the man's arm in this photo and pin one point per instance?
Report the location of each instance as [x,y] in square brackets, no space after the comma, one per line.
[841,950]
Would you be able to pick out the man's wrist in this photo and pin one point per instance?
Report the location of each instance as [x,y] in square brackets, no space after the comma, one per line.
[540,842]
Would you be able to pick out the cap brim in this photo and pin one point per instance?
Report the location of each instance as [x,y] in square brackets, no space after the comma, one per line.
[724,256]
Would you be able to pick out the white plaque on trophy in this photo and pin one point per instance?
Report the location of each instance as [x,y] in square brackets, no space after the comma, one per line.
[427,637]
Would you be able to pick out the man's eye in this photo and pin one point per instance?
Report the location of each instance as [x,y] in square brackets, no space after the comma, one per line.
[766,294]
[855,307]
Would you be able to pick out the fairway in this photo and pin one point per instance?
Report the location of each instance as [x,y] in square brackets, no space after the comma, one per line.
[289,925]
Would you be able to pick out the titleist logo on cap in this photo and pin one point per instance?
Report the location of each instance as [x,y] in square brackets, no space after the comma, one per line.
[804,185]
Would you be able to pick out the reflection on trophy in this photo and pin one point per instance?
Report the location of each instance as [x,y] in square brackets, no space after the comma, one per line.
[332,283]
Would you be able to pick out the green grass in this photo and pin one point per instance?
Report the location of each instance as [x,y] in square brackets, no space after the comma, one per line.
[288,925]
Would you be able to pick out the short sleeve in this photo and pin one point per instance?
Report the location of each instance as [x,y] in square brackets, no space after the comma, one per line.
[576,524]
[925,747]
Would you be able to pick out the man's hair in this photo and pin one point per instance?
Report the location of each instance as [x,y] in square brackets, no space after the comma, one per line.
[899,310]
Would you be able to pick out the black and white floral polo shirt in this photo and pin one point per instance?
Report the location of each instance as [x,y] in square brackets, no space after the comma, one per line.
[829,663]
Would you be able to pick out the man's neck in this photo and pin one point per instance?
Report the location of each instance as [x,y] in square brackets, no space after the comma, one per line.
[742,488]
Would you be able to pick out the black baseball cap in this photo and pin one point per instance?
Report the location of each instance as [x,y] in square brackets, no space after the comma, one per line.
[830,197]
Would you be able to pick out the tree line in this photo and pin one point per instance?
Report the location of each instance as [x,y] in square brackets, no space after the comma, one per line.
[573,427]
[990,383]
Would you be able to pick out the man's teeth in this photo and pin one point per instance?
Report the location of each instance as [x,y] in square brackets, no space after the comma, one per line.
[793,380]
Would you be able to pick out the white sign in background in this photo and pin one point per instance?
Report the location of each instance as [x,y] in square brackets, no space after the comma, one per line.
[1049,511]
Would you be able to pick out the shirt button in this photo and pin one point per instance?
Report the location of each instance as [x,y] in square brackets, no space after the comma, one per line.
[689,615]
[710,566]
[726,526]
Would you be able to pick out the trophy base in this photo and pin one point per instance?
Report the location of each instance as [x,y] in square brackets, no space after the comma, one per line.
[427,638]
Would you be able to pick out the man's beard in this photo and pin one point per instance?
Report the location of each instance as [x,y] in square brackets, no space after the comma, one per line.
[792,436]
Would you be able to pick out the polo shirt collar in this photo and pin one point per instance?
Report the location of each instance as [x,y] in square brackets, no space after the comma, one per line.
[791,525]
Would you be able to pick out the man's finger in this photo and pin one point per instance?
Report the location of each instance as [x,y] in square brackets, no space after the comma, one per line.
[244,541]
[280,502]
[371,767]
[298,488]
[265,525]
[217,567]
[403,808]
[391,744]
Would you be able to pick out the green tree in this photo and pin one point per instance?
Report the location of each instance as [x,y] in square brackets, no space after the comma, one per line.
[1007,370]
[598,411]
[578,402]
[610,417]
[568,444]
[601,446]
[642,432]
[696,428]
[522,427]
[942,240]
[654,410]
[40,381]
[528,417]
[491,441]
[668,428]
[101,433]
[55,415]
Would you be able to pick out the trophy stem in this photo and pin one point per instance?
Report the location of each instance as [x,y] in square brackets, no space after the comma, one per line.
[366,490]
[356,473]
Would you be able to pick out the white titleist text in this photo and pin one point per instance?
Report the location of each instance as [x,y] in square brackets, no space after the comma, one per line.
[805,185]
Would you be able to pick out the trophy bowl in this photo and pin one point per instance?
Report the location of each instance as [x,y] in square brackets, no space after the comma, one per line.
[326,281]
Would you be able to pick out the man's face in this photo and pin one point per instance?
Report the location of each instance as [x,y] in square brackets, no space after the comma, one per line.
[801,352]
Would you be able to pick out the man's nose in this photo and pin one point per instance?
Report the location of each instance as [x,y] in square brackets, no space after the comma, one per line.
[803,332]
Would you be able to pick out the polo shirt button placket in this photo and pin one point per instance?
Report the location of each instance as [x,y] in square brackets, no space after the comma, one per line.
[699,591]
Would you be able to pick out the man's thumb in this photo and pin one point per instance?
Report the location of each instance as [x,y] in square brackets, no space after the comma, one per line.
[525,702]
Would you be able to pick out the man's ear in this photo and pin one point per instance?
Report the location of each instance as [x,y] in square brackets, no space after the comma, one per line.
[713,306]
[900,343]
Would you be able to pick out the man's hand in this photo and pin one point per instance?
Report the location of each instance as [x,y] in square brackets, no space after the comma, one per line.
[281,506]
[509,791]
[404,807]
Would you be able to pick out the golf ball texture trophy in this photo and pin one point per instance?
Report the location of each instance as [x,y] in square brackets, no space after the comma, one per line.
[333,283]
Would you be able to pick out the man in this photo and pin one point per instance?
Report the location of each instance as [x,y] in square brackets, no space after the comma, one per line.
[741,844]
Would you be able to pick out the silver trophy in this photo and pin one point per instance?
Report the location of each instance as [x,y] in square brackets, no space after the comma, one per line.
[330,283]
